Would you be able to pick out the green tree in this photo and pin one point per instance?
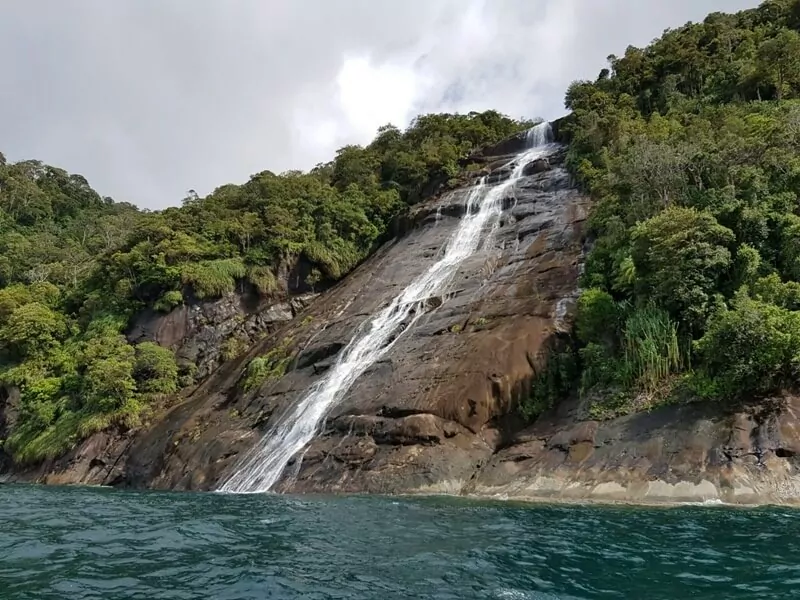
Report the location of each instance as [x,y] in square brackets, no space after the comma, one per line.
[754,348]
[681,255]
[779,61]
[155,369]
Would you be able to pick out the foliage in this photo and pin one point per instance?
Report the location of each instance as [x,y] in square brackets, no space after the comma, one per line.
[597,314]
[644,352]
[269,367]
[753,348]
[155,370]
[690,149]
[680,257]
[233,347]
[168,301]
[650,345]
[213,278]
[554,382]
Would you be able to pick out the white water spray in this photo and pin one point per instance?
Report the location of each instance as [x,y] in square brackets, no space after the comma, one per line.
[263,466]
[540,135]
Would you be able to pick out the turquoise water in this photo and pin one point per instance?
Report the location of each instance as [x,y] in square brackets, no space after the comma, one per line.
[77,543]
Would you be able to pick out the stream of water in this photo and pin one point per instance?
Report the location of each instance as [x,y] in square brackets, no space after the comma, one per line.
[264,464]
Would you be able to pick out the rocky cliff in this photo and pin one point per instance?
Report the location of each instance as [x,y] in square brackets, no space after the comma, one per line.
[437,414]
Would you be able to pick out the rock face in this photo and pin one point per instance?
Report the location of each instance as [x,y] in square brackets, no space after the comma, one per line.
[694,453]
[200,332]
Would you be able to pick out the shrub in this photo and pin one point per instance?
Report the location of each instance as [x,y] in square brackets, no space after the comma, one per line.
[271,366]
[754,348]
[214,278]
[596,318]
[155,369]
[168,301]
[263,279]
[233,347]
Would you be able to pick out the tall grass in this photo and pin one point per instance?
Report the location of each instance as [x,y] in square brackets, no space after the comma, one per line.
[335,258]
[263,279]
[213,278]
[650,346]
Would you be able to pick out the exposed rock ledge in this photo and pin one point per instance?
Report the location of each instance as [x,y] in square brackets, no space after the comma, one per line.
[681,454]
[675,454]
[672,455]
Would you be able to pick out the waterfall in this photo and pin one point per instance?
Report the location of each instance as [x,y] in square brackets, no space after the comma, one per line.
[539,136]
[263,466]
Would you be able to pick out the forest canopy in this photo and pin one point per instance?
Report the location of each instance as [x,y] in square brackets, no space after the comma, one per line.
[690,148]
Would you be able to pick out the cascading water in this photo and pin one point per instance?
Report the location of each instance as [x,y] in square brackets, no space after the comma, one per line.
[539,136]
[264,464]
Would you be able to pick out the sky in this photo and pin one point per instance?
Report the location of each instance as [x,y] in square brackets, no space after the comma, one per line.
[150,98]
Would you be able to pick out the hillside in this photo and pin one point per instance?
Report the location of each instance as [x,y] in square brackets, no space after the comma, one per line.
[77,269]
[624,323]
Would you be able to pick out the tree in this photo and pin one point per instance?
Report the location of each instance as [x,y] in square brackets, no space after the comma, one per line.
[32,329]
[752,349]
[779,61]
[155,369]
[680,256]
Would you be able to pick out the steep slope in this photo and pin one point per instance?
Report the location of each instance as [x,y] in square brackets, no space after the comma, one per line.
[432,409]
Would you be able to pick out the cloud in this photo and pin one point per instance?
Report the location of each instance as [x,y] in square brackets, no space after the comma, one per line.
[149,98]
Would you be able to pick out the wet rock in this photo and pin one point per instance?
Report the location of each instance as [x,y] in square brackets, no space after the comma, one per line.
[540,165]
[318,353]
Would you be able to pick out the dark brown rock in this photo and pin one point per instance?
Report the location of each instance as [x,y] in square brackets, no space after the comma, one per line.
[198,331]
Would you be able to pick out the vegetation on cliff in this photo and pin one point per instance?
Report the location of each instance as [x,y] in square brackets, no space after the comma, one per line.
[75,267]
[691,149]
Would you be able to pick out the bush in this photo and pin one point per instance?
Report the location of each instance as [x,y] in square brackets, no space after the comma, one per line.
[233,348]
[168,301]
[263,279]
[271,366]
[596,318]
[215,278]
[754,348]
[33,329]
[155,369]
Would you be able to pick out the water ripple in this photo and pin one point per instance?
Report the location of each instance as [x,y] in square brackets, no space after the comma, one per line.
[89,543]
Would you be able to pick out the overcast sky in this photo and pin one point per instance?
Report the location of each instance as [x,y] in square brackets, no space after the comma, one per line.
[150,98]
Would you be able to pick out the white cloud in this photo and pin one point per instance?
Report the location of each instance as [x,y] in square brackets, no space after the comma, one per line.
[148,98]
